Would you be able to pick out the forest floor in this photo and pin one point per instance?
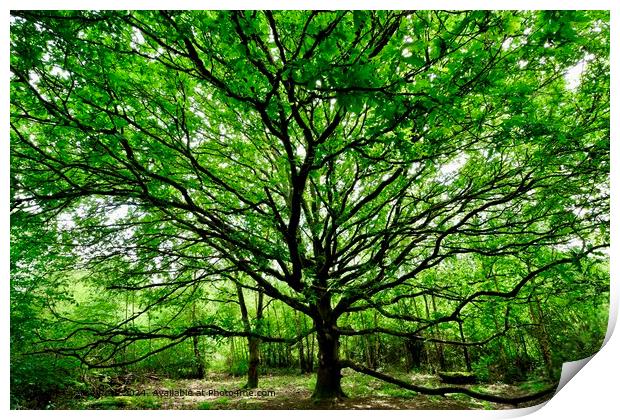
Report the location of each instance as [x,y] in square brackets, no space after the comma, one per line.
[289,391]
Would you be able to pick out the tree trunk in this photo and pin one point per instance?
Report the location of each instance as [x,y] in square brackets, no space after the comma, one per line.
[439,357]
[232,355]
[377,346]
[200,363]
[303,368]
[414,351]
[253,342]
[541,336]
[300,344]
[439,335]
[423,352]
[328,374]
[310,352]
[465,351]
[253,345]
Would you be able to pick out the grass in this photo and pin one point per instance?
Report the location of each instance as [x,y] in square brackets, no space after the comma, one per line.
[222,400]
[205,405]
[356,385]
[287,380]
[534,386]
[124,403]
[169,383]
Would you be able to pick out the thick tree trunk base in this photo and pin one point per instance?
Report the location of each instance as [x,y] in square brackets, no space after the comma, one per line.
[332,396]
[328,394]
[328,375]
[328,384]
[252,377]
[253,345]
[250,385]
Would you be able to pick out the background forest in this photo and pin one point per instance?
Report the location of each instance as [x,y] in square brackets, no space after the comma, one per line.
[354,209]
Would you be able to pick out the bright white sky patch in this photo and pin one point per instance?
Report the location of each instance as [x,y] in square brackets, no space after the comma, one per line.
[301,152]
[573,74]
[449,170]
[453,166]
[33,78]
[507,44]
[118,213]
[136,38]
[413,168]
[57,71]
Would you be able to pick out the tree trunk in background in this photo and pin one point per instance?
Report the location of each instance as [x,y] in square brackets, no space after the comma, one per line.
[200,363]
[465,351]
[254,347]
[541,335]
[545,338]
[438,349]
[300,345]
[369,345]
[303,368]
[310,352]
[437,333]
[232,355]
[414,349]
[253,342]
[423,352]
[279,355]
[377,346]
[509,349]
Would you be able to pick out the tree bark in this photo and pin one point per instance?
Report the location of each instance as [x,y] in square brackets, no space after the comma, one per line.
[328,375]
[439,357]
[310,352]
[253,342]
[541,336]
[465,351]
[253,345]
[300,345]
[198,359]
[437,333]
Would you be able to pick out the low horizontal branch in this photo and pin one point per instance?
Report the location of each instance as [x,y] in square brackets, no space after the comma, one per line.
[133,336]
[448,390]
[380,330]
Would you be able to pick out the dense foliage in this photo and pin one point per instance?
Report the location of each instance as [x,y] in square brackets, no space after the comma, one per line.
[383,191]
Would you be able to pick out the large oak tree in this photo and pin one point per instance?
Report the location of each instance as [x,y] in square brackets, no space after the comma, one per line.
[335,161]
